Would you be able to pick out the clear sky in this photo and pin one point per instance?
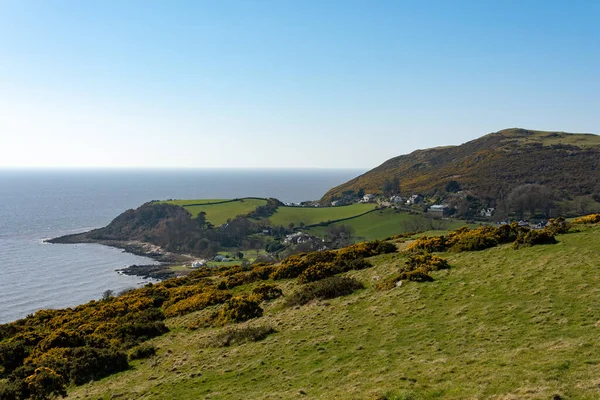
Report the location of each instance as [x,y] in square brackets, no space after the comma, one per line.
[285,83]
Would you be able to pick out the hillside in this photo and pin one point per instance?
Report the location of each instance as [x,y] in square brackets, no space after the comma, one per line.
[503,322]
[491,166]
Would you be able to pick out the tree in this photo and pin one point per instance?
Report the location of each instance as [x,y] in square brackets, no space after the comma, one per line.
[530,198]
[340,235]
[452,186]
[391,187]
[107,295]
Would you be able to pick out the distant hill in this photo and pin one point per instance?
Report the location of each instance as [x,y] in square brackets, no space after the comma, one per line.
[491,166]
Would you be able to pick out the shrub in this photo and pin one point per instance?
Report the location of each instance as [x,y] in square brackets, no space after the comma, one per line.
[197,302]
[417,275]
[262,270]
[266,291]
[318,271]
[425,262]
[558,226]
[534,237]
[472,240]
[247,334]
[45,383]
[238,309]
[588,219]
[143,351]
[385,248]
[328,288]
[428,244]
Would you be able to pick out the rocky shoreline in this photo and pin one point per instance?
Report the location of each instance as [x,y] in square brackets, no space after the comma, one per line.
[158,271]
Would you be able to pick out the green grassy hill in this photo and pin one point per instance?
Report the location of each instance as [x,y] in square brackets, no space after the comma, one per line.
[385,223]
[491,166]
[500,323]
[314,215]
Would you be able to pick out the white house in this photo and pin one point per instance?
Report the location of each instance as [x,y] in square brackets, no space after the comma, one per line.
[367,198]
[414,199]
[198,263]
[397,199]
[486,212]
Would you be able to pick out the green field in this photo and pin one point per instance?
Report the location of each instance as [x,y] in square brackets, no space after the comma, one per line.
[218,214]
[501,324]
[314,215]
[385,223]
[198,201]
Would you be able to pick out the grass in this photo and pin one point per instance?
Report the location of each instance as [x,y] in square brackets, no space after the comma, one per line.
[386,223]
[217,214]
[184,203]
[314,215]
[501,324]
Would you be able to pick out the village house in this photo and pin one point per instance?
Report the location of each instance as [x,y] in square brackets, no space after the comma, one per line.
[486,212]
[414,199]
[367,198]
[398,199]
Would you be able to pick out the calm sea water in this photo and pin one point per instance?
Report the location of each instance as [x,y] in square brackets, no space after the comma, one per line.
[41,204]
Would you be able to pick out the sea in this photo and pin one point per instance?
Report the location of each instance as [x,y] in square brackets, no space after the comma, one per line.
[39,204]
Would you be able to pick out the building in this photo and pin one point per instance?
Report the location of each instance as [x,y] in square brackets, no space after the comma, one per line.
[414,199]
[486,212]
[367,198]
[438,210]
[397,199]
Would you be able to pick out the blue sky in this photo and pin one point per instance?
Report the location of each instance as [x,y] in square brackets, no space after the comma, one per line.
[285,84]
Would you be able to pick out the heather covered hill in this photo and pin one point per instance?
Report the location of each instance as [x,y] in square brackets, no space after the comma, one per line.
[491,166]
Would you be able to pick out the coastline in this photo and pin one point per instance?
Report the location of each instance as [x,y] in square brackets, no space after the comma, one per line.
[158,271]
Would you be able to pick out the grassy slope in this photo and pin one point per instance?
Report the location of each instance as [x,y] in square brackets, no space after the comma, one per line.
[386,223]
[501,324]
[314,215]
[218,214]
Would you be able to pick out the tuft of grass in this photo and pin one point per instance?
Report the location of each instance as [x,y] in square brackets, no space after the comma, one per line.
[235,336]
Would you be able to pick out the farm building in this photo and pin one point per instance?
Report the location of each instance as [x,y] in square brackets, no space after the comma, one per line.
[438,210]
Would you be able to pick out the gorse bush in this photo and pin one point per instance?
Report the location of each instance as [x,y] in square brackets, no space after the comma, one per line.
[142,351]
[588,219]
[484,237]
[533,237]
[319,271]
[417,268]
[328,288]
[93,340]
[238,309]
[197,302]
[266,291]
[558,225]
